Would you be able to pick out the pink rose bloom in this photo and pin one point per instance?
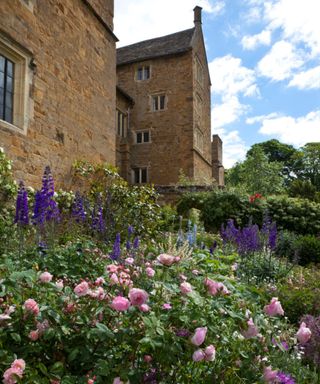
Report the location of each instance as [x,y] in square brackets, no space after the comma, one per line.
[166,259]
[90,381]
[114,279]
[195,272]
[52,381]
[138,296]
[81,289]
[120,304]
[34,335]
[303,334]
[144,308]
[10,376]
[45,277]
[147,358]
[252,330]
[129,260]
[31,306]
[99,281]
[112,268]
[185,288]
[150,272]
[269,375]
[210,353]
[198,355]
[59,284]
[215,288]
[117,380]
[274,308]
[199,336]
[183,277]
[19,364]
[166,306]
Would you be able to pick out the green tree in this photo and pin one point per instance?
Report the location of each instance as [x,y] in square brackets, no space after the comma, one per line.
[309,168]
[257,174]
[280,152]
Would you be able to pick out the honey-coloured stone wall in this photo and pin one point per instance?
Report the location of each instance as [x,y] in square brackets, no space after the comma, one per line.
[72,93]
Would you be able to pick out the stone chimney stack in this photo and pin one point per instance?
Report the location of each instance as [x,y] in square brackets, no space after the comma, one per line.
[197,15]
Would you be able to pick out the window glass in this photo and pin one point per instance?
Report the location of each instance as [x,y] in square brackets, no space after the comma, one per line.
[143,175]
[146,137]
[6,89]
[139,137]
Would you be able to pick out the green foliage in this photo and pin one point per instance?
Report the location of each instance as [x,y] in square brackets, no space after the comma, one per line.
[257,174]
[308,249]
[296,215]
[303,189]
[8,187]
[299,294]
[310,164]
[286,245]
[281,153]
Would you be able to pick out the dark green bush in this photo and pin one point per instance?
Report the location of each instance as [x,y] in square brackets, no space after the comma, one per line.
[308,250]
[286,245]
[301,216]
[300,293]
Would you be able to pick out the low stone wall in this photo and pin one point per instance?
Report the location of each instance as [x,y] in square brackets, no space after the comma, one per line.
[170,194]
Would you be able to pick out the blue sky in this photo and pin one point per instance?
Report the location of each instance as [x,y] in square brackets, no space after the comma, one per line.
[264,61]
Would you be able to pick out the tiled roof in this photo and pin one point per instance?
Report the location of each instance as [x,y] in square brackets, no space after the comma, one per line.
[161,46]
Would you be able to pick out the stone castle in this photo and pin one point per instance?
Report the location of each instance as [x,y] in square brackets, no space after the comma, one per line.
[67,94]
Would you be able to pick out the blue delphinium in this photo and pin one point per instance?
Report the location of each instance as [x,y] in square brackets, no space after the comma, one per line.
[229,233]
[22,209]
[116,251]
[98,223]
[136,242]
[78,210]
[284,378]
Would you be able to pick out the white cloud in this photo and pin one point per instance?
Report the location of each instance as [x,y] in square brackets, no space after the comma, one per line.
[138,20]
[229,77]
[227,112]
[309,79]
[254,41]
[296,131]
[259,119]
[298,20]
[278,64]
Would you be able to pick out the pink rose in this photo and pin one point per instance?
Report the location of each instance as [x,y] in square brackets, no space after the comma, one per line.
[269,375]
[303,334]
[81,289]
[129,260]
[210,353]
[112,268]
[166,306]
[19,364]
[138,296]
[199,336]
[274,308]
[53,381]
[99,281]
[195,272]
[114,279]
[45,277]
[144,308]
[31,306]
[198,355]
[34,335]
[214,288]
[166,259]
[147,358]
[59,284]
[185,288]
[117,380]
[150,272]
[252,330]
[120,304]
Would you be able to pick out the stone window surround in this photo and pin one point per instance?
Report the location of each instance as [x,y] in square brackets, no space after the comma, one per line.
[121,117]
[143,67]
[142,132]
[198,139]
[140,169]
[199,72]
[22,83]
[158,95]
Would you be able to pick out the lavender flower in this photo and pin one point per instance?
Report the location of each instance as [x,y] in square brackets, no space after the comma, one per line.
[22,210]
[116,252]
[284,378]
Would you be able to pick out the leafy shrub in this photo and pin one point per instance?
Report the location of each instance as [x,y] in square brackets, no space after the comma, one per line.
[299,294]
[308,250]
[296,215]
[286,245]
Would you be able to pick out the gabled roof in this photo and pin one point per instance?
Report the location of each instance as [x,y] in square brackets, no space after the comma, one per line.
[173,44]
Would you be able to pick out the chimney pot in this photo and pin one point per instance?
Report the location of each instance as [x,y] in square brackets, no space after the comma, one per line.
[197,15]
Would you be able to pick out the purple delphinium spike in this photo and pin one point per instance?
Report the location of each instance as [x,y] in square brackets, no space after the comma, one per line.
[130,230]
[136,242]
[272,241]
[78,211]
[47,182]
[22,209]
[38,209]
[229,233]
[128,245]
[98,223]
[116,251]
[284,378]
